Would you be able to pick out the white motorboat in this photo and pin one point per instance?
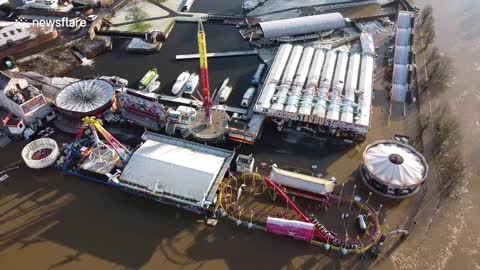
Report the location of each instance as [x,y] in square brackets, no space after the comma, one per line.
[180,82]
[153,86]
[191,84]
[41,4]
[224,93]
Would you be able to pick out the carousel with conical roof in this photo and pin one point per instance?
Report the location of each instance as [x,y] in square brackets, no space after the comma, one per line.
[393,169]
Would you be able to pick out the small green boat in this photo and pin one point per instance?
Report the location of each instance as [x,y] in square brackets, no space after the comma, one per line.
[148,78]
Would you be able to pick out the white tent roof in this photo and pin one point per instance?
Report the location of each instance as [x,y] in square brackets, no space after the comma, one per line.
[403,37]
[178,169]
[399,92]
[404,19]
[400,74]
[401,54]
[302,25]
[395,164]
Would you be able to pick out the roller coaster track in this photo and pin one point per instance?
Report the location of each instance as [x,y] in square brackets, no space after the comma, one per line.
[318,227]
[321,232]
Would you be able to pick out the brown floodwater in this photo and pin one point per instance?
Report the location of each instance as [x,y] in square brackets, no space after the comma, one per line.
[52,221]
[451,240]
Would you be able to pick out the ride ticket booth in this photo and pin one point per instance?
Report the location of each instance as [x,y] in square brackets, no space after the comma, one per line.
[15,126]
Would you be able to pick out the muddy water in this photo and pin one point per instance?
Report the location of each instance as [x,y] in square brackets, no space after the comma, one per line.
[53,221]
[452,238]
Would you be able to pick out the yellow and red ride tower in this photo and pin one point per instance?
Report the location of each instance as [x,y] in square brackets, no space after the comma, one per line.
[209,125]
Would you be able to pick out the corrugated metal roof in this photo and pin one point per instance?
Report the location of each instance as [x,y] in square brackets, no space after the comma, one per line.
[302,25]
[177,168]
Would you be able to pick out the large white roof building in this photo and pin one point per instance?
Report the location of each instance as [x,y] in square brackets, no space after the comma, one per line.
[337,93]
[302,25]
[177,170]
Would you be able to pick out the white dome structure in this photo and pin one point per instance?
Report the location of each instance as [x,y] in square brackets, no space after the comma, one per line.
[40,153]
[393,169]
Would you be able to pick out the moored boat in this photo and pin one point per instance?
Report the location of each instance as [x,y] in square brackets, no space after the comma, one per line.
[191,84]
[180,82]
[224,93]
[148,78]
[153,86]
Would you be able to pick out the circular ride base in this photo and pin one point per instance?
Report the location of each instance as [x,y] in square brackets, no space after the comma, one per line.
[68,124]
[40,153]
[381,192]
[215,133]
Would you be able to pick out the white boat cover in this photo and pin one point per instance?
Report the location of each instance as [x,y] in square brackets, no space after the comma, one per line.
[395,164]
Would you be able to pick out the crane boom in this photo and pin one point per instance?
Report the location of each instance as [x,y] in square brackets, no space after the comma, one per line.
[202,51]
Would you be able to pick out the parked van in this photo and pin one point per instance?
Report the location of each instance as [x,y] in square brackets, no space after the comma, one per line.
[247,97]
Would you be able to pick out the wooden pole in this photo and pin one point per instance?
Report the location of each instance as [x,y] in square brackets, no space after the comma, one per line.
[353,195]
[340,197]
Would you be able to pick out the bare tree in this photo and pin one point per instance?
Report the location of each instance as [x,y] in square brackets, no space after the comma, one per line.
[433,54]
[440,72]
[450,166]
[449,160]
[426,27]
[427,34]
[425,15]
[136,14]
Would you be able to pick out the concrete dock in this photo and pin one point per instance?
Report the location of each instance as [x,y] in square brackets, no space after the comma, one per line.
[188,101]
[216,54]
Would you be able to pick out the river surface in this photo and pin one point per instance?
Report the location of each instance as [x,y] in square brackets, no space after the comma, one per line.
[453,238]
